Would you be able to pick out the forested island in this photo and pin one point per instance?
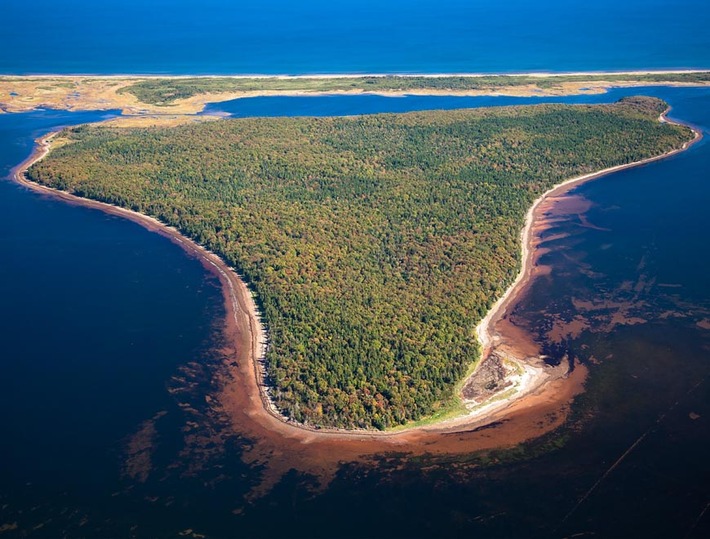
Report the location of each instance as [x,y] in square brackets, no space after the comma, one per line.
[374,244]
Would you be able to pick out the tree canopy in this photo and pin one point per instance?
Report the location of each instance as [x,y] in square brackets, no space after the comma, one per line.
[165,91]
[374,244]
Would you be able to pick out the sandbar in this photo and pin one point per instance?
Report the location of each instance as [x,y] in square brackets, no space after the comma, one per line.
[102,92]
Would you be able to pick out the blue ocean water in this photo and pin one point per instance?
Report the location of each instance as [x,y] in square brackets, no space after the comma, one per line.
[354,36]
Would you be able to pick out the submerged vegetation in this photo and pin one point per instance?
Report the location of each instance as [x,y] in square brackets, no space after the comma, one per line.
[374,244]
[167,91]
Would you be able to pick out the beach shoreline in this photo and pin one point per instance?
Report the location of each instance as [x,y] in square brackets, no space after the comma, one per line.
[21,93]
[244,367]
[326,76]
[485,331]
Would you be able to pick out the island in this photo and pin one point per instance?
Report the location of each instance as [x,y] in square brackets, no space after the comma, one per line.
[378,249]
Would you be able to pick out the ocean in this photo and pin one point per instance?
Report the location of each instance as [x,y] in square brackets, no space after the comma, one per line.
[351,36]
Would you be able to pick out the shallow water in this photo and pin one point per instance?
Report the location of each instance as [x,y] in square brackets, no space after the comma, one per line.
[108,330]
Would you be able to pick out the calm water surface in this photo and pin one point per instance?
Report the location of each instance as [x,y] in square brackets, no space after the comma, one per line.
[100,321]
[109,334]
[339,105]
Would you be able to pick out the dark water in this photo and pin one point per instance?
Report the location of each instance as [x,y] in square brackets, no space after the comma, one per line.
[633,268]
[99,323]
[351,36]
[108,331]
[339,105]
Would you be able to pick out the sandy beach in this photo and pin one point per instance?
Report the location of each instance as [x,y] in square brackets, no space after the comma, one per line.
[488,335]
[102,92]
[358,75]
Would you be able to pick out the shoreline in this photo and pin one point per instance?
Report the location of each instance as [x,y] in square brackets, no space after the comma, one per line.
[100,92]
[248,335]
[485,331]
[539,74]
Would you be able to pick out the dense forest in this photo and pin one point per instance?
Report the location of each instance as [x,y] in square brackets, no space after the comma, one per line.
[374,244]
[167,91]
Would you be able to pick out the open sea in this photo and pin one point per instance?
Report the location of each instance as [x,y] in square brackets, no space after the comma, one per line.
[112,334]
[351,36]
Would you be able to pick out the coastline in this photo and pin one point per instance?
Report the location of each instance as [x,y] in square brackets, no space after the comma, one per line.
[100,92]
[541,74]
[485,330]
[245,370]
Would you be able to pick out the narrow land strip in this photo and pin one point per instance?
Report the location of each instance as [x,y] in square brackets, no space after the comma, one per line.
[98,92]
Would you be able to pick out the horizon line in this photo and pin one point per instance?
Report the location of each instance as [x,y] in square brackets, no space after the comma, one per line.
[536,74]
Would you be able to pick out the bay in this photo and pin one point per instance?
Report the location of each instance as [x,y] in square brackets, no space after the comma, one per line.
[111,343]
